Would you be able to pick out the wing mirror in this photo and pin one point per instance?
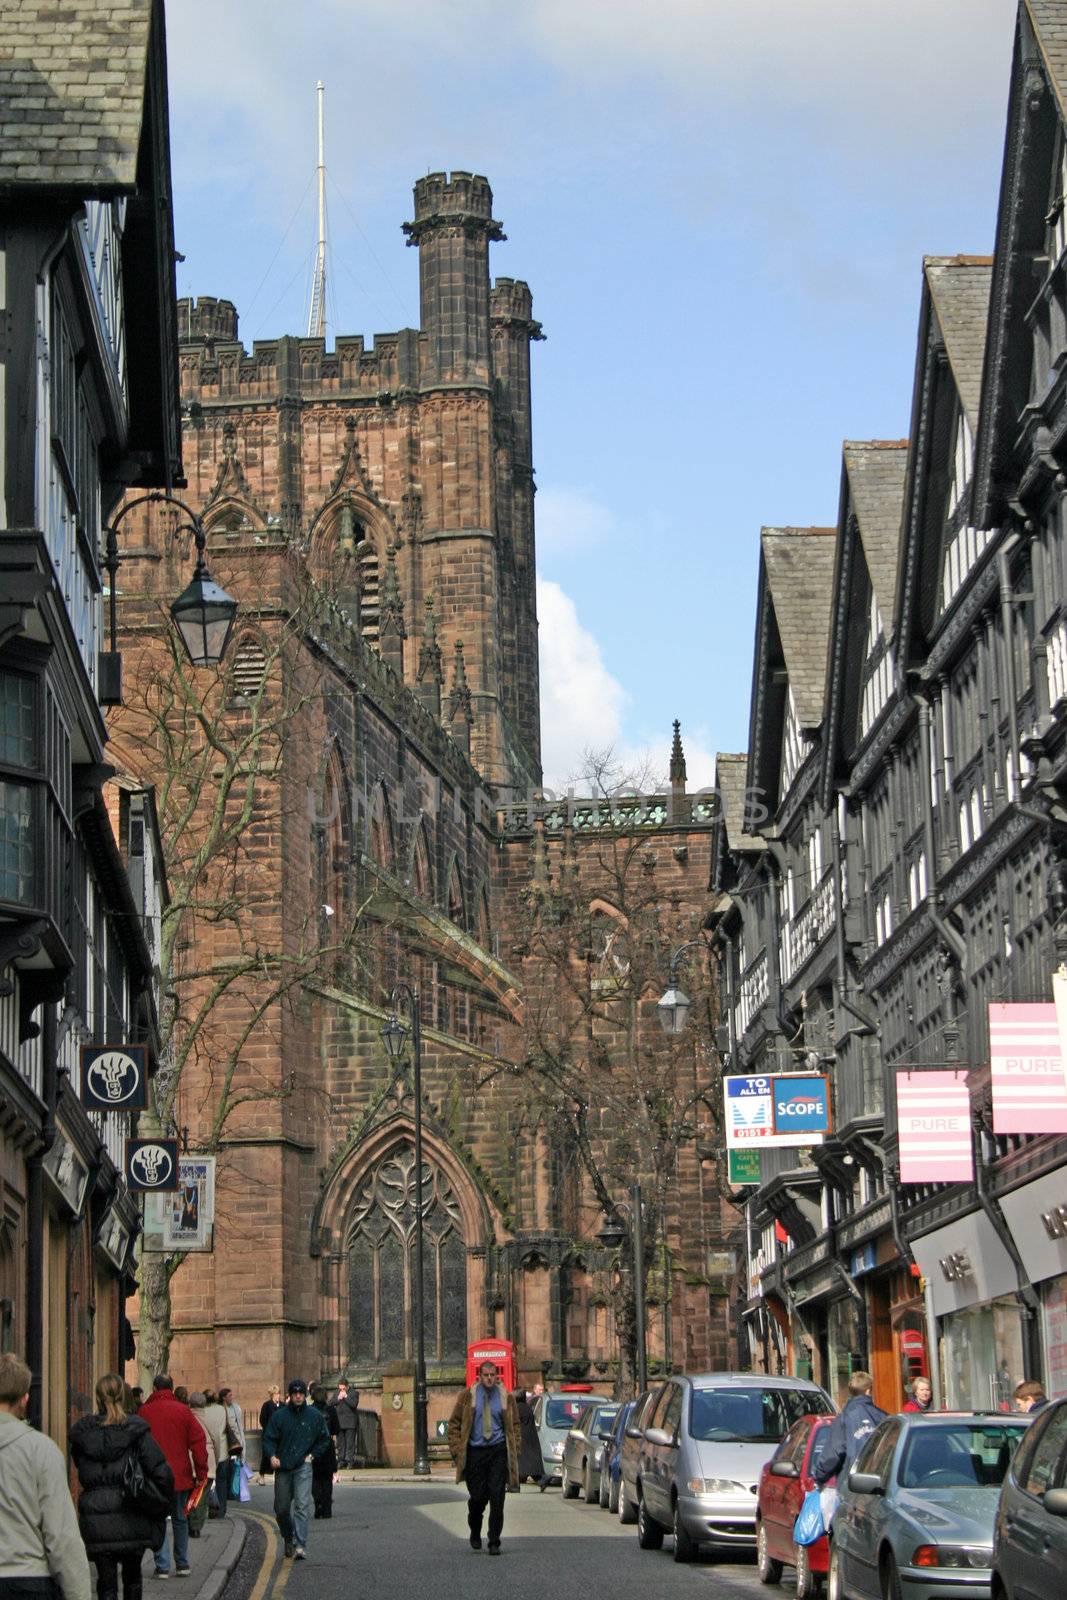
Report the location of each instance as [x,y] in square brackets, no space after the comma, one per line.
[1055,1500]
[660,1436]
[784,1469]
[865,1483]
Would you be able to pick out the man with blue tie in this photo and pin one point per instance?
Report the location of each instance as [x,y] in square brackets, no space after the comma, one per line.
[483,1436]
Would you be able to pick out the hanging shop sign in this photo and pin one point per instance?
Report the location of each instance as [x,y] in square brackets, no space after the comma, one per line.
[189,1213]
[744,1166]
[934,1127]
[778,1110]
[114,1077]
[1029,1087]
[152,1165]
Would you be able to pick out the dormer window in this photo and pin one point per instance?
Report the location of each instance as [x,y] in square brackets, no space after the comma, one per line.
[963,544]
[792,745]
[1056,239]
[878,670]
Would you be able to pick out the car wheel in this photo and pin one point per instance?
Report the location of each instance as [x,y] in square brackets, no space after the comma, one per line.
[626,1507]
[613,1497]
[891,1589]
[591,1491]
[570,1490]
[685,1547]
[835,1588]
[806,1581]
[770,1571]
[605,1489]
[649,1532]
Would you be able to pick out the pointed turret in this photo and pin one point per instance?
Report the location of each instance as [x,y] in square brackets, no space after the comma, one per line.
[677,776]
[431,675]
[460,704]
[391,629]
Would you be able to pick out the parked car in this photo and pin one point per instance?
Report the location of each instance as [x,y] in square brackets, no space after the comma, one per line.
[916,1514]
[555,1415]
[610,1464]
[583,1450]
[629,1452]
[786,1478]
[1030,1532]
[705,1443]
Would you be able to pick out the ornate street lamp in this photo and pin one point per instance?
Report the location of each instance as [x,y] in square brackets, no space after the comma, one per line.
[203,614]
[612,1234]
[674,1005]
[394,1036]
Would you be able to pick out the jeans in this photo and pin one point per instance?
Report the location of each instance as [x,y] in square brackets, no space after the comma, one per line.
[292,1501]
[107,1576]
[487,1483]
[180,1524]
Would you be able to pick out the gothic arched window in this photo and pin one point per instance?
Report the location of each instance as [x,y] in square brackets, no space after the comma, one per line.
[380,1249]
[456,910]
[381,831]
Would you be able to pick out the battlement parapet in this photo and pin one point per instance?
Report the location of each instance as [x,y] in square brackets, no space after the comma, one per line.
[206,320]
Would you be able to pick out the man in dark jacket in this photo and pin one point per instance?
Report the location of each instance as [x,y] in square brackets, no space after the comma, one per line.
[850,1430]
[345,1409]
[182,1441]
[296,1435]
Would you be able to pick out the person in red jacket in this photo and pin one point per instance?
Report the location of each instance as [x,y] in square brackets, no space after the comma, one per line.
[922,1394]
[182,1441]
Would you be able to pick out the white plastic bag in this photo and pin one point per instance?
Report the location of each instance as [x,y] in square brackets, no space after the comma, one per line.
[828,1498]
[247,1475]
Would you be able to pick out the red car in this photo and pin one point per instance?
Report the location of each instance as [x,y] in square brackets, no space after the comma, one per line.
[784,1482]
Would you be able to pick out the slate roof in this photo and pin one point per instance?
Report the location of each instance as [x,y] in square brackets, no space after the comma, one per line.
[731,778]
[959,288]
[1049,18]
[800,566]
[72,87]
[876,469]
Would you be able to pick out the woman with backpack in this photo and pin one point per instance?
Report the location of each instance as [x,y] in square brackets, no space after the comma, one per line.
[127,1489]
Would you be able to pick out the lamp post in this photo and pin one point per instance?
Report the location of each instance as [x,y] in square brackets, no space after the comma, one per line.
[612,1234]
[674,1005]
[203,613]
[394,1036]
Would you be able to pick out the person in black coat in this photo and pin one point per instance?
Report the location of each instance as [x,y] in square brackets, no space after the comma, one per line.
[324,1467]
[266,1411]
[115,1530]
[531,1464]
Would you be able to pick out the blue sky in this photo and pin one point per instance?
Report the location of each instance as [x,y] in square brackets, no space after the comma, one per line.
[721,207]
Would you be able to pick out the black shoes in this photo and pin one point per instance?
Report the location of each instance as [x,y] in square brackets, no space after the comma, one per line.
[476,1541]
[288,1547]
[494,1547]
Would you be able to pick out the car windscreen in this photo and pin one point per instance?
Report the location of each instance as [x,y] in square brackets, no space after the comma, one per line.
[755,1415]
[958,1455]
[565,1410]
[604,1420]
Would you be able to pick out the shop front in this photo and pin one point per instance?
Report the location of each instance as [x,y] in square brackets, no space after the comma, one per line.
[977,1319]
[1036,1213]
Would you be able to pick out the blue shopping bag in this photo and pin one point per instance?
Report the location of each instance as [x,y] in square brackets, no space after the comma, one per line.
[809,1525]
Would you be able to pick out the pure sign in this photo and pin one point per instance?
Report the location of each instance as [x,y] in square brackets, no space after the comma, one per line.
[114,1077]
[776,1110]
[152,1165]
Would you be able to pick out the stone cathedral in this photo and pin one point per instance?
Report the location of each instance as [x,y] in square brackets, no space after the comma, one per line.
[400,824]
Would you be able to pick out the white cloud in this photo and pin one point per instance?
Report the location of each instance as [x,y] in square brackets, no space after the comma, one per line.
[571,519]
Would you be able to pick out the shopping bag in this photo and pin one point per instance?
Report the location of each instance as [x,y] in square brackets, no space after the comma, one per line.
[828,1498]
[235,1478]
[809,1524]
[246,1479]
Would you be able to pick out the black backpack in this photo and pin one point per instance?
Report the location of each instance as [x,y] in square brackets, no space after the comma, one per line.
[140,1492]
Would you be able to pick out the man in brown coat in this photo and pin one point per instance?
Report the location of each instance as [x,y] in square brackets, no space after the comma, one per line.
[483,1436]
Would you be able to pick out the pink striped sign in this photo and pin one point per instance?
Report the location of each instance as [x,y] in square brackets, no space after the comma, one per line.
[934,1127]
[1029,1087]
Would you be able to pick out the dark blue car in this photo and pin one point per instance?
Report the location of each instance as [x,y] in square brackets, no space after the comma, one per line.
[610,1466]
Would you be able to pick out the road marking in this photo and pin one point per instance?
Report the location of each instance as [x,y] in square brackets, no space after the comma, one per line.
[268,1566]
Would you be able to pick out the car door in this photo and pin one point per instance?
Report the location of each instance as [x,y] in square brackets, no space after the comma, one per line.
[1037,1539]
[655,1457]
[860,1518]
[776,1500]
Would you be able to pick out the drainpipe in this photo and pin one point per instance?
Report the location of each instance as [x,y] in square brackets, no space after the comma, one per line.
[1007,629]
[1027,1294]
[36,1274]
[945,929]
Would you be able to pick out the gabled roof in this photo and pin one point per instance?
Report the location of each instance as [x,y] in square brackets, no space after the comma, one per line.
[731,777]
[72,86]
[800,563]
[876,470]
[1049,19]
[959,288]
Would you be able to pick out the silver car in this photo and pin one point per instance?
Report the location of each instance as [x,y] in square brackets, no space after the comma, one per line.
[555,1416]
[705,1444]
[584,1450]
[1030,1534]
[916,1515]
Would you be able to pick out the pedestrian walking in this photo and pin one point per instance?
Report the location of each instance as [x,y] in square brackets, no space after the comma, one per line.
[531,1462]
[483,1437]
[40,1546]
[295,1436]
[1030,1396]
[127,1489]
[324,1467]
[213,1418]
[849,1430]
[198,1514]
[235,1423]
[181,1439]
[921,1395]
[346,1410]
[266,1411]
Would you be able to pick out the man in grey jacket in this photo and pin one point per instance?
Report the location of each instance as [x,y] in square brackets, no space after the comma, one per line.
[39,1539]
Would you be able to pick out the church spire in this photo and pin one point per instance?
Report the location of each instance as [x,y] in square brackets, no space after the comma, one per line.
[677,775]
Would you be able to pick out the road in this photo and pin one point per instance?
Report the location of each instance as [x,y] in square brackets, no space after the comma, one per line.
[390,1541]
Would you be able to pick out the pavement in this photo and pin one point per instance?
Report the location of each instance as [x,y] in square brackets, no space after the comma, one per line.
[392,1536]
[212,1558]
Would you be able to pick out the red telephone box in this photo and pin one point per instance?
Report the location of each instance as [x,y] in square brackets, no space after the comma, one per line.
[500,1351]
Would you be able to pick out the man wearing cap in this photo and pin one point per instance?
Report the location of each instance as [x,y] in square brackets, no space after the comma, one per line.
[294,1436]
[483,1436]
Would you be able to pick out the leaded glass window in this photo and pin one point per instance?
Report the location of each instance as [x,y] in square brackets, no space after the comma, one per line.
[380,1248]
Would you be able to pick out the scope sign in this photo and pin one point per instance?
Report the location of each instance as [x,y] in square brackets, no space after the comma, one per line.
[801,1105]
